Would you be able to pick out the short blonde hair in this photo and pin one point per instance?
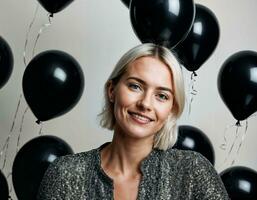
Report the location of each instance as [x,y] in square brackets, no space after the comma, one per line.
[166,137]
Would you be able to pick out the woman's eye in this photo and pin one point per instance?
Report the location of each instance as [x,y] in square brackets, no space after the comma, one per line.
[163,97]
[134,86]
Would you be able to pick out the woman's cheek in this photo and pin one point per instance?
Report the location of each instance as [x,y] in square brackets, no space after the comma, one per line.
[164,110]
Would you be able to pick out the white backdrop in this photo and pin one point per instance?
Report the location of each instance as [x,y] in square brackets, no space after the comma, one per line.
[97,33]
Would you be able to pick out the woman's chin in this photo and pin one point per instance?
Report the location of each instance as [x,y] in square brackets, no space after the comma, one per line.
[139,133]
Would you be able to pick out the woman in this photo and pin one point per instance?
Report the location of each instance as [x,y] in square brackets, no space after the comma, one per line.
[144,96]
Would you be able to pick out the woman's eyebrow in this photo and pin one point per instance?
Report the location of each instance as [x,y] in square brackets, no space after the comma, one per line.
[144,83]
[165,89]
[137,79]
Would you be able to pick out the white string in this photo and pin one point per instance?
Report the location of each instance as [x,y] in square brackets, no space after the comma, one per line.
[27,35]
[50,16]
[192,92]
[20,132]
[4,149]
[223,146]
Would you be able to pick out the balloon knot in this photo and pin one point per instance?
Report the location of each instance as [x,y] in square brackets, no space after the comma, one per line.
[238,123]
[193,75]
[38,121]
[51,15]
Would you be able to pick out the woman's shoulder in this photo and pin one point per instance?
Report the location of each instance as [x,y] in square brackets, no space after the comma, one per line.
[183,155]
[66,172]
[76,160]
[183,159]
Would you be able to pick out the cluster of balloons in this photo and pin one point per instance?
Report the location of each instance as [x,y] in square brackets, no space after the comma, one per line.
[190,30]
[31,162]
[53,83]
[201,40]
[6,62]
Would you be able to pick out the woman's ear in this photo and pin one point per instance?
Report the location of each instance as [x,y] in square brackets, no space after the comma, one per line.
[110,90]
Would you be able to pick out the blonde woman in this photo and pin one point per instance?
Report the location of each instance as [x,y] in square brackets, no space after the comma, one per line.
[144,97]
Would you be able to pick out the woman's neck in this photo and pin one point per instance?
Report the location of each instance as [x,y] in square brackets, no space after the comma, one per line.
[123,156]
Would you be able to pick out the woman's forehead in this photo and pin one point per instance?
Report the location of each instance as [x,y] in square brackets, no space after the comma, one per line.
[150,69]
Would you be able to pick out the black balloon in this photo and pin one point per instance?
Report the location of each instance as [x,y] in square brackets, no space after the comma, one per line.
[53,83]
[237,84]
[240,183]
[32,161]
[192,138]
[6,62]
[4,191]
[201,40]
[54,6]
[163,22]
[126,2]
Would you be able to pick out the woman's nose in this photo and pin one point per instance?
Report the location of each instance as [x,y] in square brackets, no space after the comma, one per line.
[145,102]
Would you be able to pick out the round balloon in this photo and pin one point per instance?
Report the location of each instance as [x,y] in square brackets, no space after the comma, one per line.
[4,191]
[237,84]
[240,183]
[192,138]
[126,2]
[54,6]
[53,83]
[6,62]
[163,22]
[32,161]
[201,40]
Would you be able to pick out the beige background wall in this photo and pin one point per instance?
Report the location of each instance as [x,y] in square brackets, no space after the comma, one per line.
[97,33]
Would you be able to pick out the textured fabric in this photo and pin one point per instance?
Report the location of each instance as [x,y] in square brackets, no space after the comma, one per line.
[166,175]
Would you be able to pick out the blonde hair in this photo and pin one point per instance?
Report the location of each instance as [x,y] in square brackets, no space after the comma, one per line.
[166,137]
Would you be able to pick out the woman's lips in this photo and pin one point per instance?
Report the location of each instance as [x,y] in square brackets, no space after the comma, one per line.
[140,118]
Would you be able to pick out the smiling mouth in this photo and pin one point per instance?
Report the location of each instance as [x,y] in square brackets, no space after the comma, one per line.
[140,118]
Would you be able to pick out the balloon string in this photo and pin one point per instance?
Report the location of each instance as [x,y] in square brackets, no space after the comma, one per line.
[27,35]
[21,126]
[223,146]
[192,91]
[236,138]
[233,144]
[243,136]
[50,16]
[11,188]
[242,140]
[40,130]
[6,144]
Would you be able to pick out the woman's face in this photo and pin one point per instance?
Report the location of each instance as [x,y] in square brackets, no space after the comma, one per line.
[143,98]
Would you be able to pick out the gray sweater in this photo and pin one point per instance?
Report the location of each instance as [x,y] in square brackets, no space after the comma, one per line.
[166,175]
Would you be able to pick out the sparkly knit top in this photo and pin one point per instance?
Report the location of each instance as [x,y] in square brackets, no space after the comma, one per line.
[166,175]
